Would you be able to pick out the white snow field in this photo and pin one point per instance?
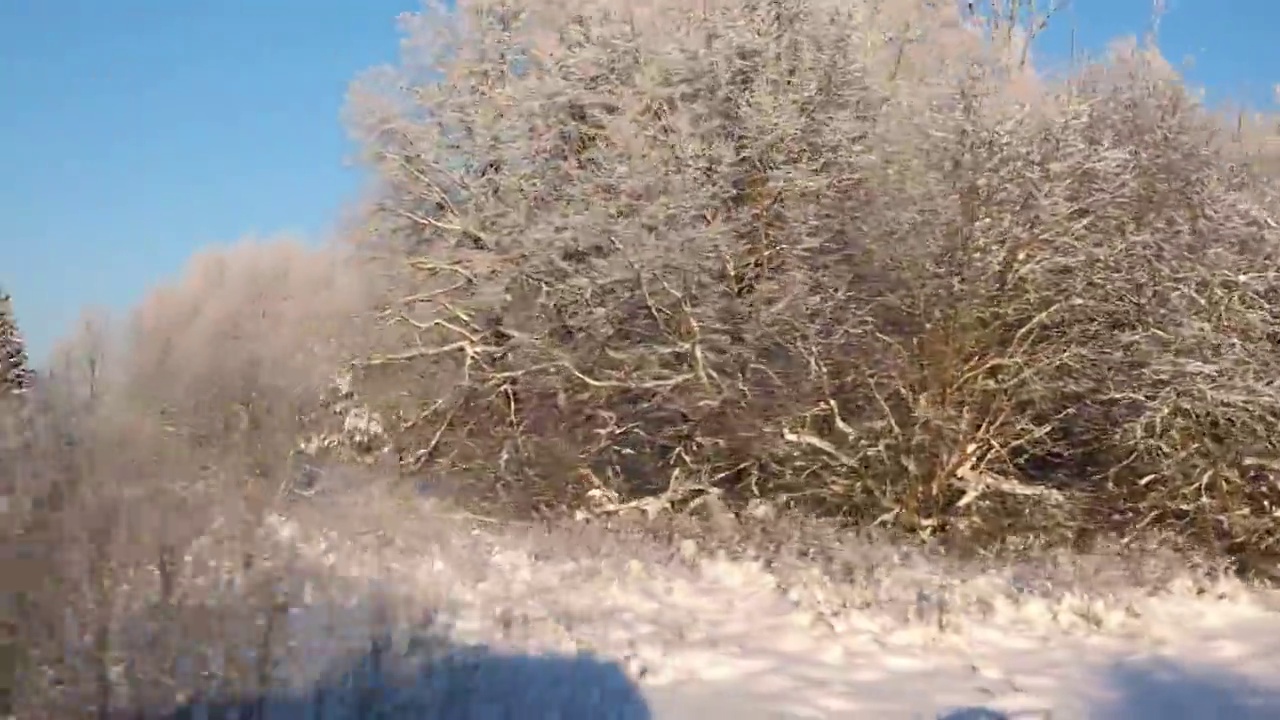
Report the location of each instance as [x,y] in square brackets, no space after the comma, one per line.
[584,623]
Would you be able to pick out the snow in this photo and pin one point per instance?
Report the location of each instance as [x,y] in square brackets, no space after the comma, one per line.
[580,622]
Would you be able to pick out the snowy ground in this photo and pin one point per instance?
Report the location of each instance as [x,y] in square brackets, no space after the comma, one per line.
[673,631]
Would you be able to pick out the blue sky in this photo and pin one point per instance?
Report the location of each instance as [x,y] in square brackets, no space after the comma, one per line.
[134,132]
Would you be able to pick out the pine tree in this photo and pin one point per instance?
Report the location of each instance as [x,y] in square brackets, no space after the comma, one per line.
[15,377]
[15,373]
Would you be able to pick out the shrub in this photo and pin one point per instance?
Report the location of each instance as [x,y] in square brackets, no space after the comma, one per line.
[857,259]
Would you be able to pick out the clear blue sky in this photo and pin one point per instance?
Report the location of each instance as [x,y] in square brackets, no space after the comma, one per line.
[133,132]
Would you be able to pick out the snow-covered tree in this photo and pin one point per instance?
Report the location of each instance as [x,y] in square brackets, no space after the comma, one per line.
[15,373]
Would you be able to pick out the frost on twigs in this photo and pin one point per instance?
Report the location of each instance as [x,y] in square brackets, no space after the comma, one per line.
[858,260]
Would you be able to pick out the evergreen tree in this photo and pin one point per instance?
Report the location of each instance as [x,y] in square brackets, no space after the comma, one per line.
[15,376]
[15,373]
